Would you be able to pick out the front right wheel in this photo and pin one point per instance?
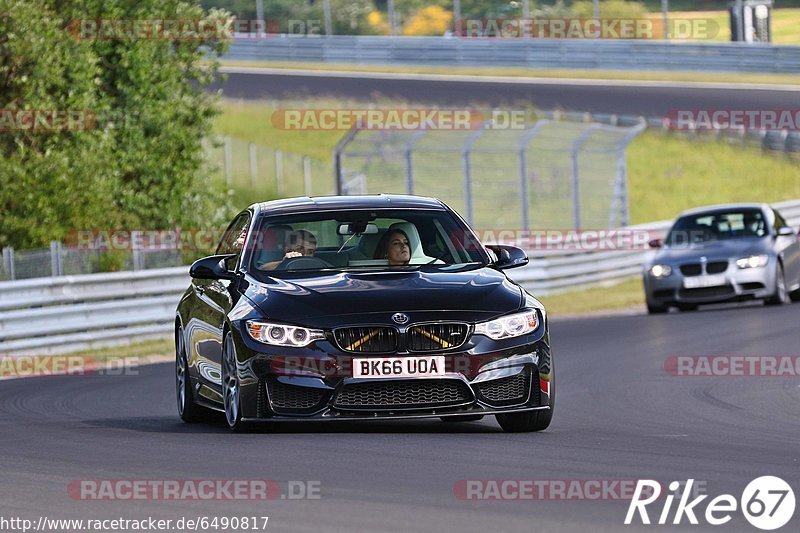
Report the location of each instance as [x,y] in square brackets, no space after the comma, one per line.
[781,295]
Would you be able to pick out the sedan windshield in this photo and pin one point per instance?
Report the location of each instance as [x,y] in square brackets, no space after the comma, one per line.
[721,225]
[362,240]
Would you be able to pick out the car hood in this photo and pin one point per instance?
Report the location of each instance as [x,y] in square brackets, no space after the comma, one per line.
[712,251]
[323,299]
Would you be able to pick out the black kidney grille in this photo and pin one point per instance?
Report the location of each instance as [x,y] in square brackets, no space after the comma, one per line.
[434,337]
[506,391]
[283,396]
[418,393]
[692,269]
[717,267]
[367,339]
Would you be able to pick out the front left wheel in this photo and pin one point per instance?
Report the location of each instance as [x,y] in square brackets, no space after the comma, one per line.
[529,420]
[230,387]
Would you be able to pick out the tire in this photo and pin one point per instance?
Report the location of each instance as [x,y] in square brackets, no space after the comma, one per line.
[795,296]
[230,388]
[528,421]
[469,418]
[656,309]
[188,409]
[781,295]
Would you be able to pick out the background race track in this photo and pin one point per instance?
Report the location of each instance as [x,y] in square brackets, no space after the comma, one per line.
[619,415]
[597,96]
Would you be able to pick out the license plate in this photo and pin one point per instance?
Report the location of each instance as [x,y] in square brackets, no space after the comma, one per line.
[398,367]
[699,282]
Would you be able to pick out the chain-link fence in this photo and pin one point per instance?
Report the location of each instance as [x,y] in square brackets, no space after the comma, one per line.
[64,260]
[552,173]
[258,172]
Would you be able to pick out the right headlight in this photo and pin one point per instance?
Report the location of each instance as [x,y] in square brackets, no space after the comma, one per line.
[754,261]
[282,334]
[660,271]
[509,326]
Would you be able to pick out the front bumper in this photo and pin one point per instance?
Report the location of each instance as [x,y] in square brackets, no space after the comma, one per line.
[485,377]
[740,284]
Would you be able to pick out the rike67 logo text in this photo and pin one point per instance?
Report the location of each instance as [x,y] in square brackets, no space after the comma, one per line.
[767,503]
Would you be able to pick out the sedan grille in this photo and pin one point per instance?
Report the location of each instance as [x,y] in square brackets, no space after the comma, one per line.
[406,394]
[367,339]
[506,391]
[435,337]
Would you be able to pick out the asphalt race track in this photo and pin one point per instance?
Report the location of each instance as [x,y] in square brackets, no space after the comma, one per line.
[622,97]
[619,416]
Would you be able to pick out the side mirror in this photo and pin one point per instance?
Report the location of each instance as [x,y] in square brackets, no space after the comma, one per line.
[785,231]
[508,256]
[655,243]
[212,267]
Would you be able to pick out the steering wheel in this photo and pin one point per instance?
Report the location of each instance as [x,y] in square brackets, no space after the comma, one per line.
[303,263]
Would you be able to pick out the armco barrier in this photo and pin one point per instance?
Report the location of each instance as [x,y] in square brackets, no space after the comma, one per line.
[50,315]
[534,53]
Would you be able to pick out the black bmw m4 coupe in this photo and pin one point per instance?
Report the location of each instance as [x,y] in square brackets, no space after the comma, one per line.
[360,308]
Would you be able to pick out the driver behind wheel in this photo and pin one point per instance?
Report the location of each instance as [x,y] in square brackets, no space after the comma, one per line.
[299,243]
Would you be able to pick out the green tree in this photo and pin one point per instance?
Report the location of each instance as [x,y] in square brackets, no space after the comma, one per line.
[141,164]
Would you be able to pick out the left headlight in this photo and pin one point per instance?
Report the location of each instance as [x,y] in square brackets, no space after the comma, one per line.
[282,334]
[660,271]
[754,261]
[509,326]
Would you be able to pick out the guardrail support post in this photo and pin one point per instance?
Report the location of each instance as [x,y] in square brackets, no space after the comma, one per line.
[8,262]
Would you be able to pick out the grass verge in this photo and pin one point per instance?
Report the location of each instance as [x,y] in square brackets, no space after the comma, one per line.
[625,295]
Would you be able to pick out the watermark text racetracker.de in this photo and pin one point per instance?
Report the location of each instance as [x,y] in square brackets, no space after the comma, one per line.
[192,489]
[733,365]
[21,366]
[195,523]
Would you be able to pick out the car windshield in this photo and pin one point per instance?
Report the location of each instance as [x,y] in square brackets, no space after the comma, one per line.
[362,240]
[720,225]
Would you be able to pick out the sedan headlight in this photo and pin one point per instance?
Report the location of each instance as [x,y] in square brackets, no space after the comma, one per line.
[660,271]
[283,335]
[509,326]
[754,261]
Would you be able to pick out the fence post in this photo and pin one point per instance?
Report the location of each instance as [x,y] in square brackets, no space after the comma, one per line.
[8,262]
[55,258]
[279,171]
[228,161]
[465,153]
[136,251]
[307,174]
[527,137]
[338,173]
[408,161]
[253,164]
[576,181]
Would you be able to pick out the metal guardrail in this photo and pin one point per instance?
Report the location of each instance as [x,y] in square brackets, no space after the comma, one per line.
[51,315]
[535,53]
